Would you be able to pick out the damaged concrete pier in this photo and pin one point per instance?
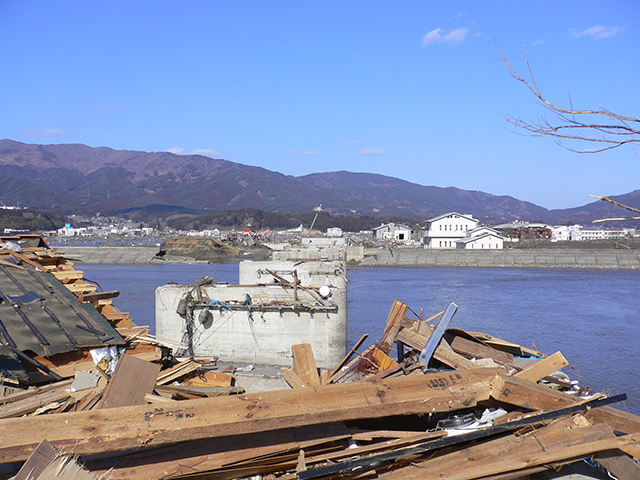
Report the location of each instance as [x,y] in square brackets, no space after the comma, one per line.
[275,306]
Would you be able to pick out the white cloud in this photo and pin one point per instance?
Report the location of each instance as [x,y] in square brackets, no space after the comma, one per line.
[202,151]
[538,42]
[206,152]
[374,152]
[597,32]
[53,132]
[308,152]
[454,37]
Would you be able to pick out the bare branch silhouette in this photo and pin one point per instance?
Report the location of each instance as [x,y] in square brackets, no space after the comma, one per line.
[602,128]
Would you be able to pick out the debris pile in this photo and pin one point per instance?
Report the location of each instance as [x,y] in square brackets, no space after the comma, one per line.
[88,394]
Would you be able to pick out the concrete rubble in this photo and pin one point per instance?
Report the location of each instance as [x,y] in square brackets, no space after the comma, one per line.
[86,393]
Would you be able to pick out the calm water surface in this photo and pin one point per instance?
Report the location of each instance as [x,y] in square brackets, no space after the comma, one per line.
[591,316]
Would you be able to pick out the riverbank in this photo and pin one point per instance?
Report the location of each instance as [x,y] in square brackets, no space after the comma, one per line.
[531,258]
[402,257]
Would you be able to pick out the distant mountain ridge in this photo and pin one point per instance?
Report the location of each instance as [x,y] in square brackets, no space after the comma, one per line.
[74,178]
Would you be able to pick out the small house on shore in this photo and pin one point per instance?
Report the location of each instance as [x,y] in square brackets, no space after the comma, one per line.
[392,232]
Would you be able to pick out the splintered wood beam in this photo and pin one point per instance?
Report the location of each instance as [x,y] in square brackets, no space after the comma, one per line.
[346,358]
[529,395]
[9,264]
[135,427]
[618,419]
[472,349]
[394,323]
[507,454]
[26,260]
[542,368]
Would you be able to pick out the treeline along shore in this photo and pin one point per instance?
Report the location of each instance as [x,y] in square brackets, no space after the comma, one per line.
[399,257]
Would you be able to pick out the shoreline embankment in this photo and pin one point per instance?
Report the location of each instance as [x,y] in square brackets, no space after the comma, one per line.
[401,257]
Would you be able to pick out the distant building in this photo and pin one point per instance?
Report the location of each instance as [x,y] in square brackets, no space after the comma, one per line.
[445,230]
[517,231]
[334,232]
[486,240]
[393,232]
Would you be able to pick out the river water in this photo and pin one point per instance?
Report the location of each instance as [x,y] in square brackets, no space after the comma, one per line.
[591,316]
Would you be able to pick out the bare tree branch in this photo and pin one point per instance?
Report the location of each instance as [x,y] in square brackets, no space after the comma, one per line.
[605,199]
[608,131]
[618,204]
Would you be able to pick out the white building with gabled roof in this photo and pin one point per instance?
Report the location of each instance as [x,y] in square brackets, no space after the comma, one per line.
[445,230]
[484,241]
[393,232]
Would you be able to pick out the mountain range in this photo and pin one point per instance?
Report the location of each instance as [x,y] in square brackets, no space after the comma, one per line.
[76,179]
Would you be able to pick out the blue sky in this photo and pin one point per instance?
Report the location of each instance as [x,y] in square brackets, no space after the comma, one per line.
[413,90]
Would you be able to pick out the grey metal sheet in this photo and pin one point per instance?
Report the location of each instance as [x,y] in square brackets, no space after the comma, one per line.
[57,323]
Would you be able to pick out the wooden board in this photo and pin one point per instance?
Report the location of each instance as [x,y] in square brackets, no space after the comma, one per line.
[472,349]
[529,395]
[619,465]
[556,442]
[304,364]
[179,370]
[292,379]
[209,379]
[205,455]
[541,368]
[394,323]
[23,403]
[131,381]
[125,428]
[42,456]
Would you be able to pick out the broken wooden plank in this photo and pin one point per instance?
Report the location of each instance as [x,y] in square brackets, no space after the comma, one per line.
[208,378]
[179,370]
[304,364]
[20,404]
[41,457]
[529,395]
[618,419]
[372,462]
[181,392]
[143,426]
[507,454]
[346,358]
[619,464]
[292,379]
[26,260]
[393,325]
[475,349]
[504,345]
[542,368]
[97,296]
[205,455]
[131,381]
